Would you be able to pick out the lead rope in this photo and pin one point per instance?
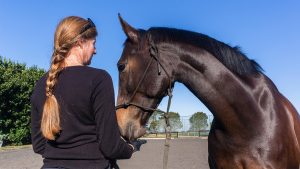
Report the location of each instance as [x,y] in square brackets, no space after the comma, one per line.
[168,132]
[155,54]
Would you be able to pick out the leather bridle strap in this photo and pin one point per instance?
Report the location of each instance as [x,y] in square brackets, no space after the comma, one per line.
[129,103]
[155,55]
[141,80]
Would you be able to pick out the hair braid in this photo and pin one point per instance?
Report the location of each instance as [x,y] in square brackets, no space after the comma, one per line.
[50,125]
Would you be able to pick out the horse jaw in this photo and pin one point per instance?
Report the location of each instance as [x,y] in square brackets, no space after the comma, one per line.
[133,132]
[140,132]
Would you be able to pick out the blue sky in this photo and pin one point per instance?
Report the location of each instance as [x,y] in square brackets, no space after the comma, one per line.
[267,31]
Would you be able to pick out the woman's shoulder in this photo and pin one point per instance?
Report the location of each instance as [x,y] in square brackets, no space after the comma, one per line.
[86,69]
[85,72]
[41,81]
[96,75]
[97,72]
[39,87]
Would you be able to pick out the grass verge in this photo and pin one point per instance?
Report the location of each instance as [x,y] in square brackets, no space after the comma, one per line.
[7,148]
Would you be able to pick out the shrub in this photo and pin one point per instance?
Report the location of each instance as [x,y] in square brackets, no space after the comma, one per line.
[16,85]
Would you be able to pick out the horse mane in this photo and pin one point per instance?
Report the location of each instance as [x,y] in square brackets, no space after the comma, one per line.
[232,57]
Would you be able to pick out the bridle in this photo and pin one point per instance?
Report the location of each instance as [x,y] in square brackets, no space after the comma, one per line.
[154,56]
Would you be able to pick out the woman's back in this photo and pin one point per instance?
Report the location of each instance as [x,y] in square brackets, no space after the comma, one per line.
[86,102]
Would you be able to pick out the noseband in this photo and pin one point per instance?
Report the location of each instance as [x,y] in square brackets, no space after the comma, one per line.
[154,56]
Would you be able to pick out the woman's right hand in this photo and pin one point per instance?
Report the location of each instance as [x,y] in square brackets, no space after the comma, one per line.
[136,144]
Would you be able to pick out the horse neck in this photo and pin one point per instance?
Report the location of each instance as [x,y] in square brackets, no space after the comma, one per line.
[211,82]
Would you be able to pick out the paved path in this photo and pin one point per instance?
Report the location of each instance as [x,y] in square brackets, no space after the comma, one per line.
[185,153]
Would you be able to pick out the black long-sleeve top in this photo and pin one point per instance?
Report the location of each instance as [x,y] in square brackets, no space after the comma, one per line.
[90,134]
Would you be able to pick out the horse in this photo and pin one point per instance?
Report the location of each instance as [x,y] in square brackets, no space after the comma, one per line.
[254,125]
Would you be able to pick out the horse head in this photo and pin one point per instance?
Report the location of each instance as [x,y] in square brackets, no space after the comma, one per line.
[142,84]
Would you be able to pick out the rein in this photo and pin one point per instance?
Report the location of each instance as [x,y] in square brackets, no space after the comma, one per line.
[155,56]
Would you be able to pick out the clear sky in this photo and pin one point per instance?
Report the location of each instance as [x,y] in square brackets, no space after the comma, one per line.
[267,31]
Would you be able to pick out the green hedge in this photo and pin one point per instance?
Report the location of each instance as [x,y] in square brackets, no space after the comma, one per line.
[16,85]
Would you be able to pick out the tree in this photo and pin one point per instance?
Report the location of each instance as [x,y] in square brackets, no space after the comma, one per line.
[16,85]
[154,122]
[198,121]
[174,119]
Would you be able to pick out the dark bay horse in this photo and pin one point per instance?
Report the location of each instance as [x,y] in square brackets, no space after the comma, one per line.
[254,125]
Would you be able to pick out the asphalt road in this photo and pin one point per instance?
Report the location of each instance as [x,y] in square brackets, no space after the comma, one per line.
[185,153]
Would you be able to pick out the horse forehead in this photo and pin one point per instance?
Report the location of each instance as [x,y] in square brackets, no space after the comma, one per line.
[127,54]
[135,61]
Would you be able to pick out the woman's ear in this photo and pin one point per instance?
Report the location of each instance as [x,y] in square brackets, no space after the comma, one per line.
[80,43]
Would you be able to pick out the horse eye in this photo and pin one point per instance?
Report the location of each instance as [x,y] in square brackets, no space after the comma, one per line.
[121,67]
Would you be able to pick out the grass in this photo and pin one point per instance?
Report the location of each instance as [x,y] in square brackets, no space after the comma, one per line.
[178,134]
[7,148]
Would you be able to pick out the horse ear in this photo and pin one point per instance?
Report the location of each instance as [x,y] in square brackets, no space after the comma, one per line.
[130,32]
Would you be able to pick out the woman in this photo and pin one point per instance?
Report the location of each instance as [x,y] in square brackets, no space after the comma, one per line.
[73,117]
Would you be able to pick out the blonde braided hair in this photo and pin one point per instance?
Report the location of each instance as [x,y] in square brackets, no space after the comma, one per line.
[67,33]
